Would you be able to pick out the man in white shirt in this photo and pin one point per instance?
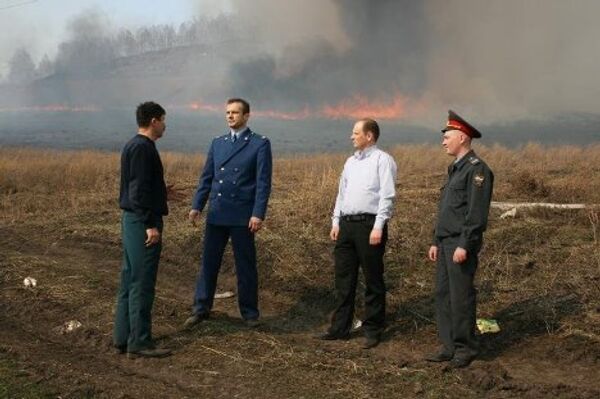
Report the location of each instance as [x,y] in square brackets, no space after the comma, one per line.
[359,228]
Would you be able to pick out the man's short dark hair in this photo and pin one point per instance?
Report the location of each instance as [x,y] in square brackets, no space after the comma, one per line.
[146,111]
[245,104]
[370,125]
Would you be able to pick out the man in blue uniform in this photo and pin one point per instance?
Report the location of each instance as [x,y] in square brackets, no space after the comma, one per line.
[236,183]
[462,219]
[143,198]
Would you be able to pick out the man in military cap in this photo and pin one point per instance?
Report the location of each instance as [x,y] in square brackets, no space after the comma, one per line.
[236,183]
[462,219]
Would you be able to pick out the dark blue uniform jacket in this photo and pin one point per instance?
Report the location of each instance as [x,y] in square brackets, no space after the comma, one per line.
[236,180]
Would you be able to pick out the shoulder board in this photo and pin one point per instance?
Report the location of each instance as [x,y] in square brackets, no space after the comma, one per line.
[259,136]
[473,161]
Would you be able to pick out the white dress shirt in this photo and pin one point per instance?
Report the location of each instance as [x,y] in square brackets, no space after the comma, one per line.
[367,185]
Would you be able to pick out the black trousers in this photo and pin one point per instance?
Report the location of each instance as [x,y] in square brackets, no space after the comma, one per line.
[455,302]
[352,250]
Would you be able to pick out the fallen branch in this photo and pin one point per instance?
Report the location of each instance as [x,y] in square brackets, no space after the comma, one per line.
[514,205]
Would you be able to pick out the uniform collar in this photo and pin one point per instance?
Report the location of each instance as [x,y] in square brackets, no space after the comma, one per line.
[361,154]
[240,132]
[459,163]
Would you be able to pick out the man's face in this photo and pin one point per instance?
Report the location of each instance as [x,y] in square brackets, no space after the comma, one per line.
[235,116]
[159,126]
[360,139]
[453,141]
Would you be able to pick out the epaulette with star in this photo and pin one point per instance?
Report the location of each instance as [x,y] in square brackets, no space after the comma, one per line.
[473,160]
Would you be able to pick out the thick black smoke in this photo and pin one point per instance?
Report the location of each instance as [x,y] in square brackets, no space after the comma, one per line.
[386,57]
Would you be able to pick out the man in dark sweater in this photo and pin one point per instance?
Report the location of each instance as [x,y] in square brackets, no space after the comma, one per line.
[143,199]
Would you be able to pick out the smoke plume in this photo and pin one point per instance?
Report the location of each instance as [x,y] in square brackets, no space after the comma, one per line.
[397,59]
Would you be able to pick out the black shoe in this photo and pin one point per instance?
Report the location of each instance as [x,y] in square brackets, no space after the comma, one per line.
[149,353]
[194,319]
[461,362]
[329,336]
[120,349]
[438,357]
[252,323]
[371,342]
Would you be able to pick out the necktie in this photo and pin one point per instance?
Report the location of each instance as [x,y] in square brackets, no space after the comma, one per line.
[233,138]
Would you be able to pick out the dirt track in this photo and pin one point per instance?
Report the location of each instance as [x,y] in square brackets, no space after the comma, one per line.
[222,358]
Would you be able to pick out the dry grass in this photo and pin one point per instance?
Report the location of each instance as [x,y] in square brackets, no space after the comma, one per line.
[539,272]
[76,193]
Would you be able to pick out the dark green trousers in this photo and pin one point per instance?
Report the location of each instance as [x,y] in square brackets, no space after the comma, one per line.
[352,249]
[133,318]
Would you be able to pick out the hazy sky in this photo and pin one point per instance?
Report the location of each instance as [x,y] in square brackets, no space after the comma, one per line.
[41,25]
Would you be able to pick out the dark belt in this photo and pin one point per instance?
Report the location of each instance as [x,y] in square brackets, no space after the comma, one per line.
[361,217]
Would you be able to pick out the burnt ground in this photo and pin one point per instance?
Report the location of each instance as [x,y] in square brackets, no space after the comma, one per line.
[77,279]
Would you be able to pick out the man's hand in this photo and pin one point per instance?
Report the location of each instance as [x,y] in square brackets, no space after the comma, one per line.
[334,233]
[193,216]
[152,236]
[375,237]
[460,255]
[255,224]
[433,253]
[174,194]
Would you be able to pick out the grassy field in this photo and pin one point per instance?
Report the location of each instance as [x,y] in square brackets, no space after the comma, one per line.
[539,276]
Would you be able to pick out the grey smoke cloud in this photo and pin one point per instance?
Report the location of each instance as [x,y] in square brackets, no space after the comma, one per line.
[493,60]
[376,52]
[514,58]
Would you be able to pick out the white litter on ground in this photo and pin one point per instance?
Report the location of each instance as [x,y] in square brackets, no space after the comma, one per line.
[72,325]
[509,214]
[224,295]
[29,282]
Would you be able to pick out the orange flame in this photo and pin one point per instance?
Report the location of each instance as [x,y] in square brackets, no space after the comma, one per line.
[268,113]
[287,116]
[53,108]
[201,106]
[360,107]
[355,107]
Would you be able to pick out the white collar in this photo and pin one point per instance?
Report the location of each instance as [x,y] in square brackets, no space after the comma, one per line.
[360,154]
[238,132]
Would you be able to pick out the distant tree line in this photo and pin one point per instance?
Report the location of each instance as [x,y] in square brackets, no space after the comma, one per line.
[92,48]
